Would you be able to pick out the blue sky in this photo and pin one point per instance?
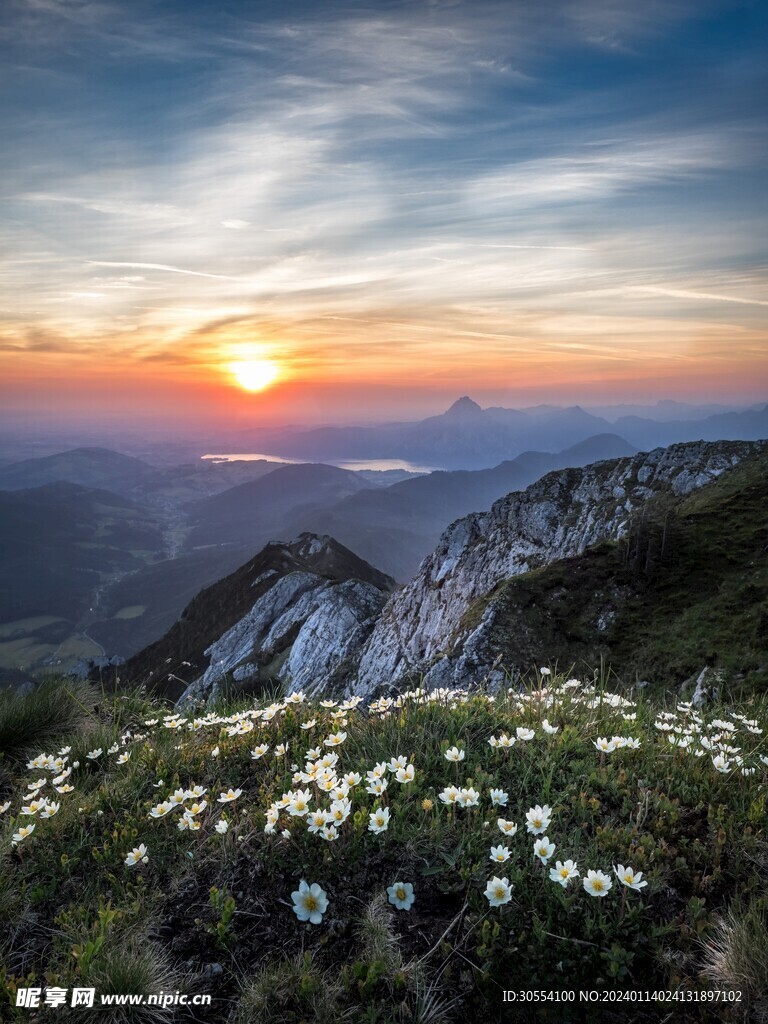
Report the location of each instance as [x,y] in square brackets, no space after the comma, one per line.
[409,200]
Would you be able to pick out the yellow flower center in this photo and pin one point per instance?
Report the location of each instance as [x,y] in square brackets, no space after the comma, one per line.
[400,893]
[499,892]
[564,872]
[597,885]
[310,902]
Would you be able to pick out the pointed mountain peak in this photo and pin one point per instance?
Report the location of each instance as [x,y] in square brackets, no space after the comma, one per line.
[464,409]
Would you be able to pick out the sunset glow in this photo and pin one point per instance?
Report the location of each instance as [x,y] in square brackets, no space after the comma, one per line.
[404,203]
[255,375]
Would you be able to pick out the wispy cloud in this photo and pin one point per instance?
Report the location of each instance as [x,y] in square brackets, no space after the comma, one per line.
[684,293]
[409,179]
[157,266]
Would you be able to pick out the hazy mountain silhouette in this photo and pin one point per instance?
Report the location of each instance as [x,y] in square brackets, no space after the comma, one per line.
[469,437]
[59,540]
[87,467]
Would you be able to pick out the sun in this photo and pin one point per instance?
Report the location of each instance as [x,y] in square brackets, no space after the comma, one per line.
[255,374]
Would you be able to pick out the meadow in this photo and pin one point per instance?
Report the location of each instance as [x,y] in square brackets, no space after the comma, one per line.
[405,860]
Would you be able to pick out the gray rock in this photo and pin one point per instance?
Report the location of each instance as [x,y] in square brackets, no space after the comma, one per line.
[299,633]
[422,632]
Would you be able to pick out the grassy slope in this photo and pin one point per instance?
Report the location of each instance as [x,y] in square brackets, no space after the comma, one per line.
[665,616]
[72,913]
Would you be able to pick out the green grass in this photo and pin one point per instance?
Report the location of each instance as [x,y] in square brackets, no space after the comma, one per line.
[688,588]
[72,913]
[53,712]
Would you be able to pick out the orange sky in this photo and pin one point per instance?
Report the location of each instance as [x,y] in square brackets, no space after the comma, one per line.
[397,204]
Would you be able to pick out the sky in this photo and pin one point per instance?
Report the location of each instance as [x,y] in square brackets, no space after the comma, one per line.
[389,204]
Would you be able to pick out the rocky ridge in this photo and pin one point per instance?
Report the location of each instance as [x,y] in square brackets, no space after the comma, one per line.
[290,616]
[428,632]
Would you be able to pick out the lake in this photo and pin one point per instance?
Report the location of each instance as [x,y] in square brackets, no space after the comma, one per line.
[381,465]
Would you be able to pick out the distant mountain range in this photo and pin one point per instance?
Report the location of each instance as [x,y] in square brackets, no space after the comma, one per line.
[258,509]
[104,469]
[469,437]
[58,541]
[97,468]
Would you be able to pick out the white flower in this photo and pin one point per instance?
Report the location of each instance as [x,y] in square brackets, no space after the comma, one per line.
[138,854]
[538,819]
[543,849]
[259,751]
[309,902]
[499,854]
[722,763]
[397,762]
[604,745]
[93,754]
[215,752]
[188,822]
[379,820]
[629,877]
[335,739]
[377,787]
[229,796]
[563,872]
[524,734]
[545,671]
[21,835]
[469,797]
[401,895]
[455,754]
[596,883]
[124,758]
[549,729]
[329,833]
[507,827]
[299,806]
[498,797]
[339,811]
[34,806]
[4,807]
[449,795]
[162,809]
[222,826]
[405,774]
[49,810]
[317,820]
[498,891]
